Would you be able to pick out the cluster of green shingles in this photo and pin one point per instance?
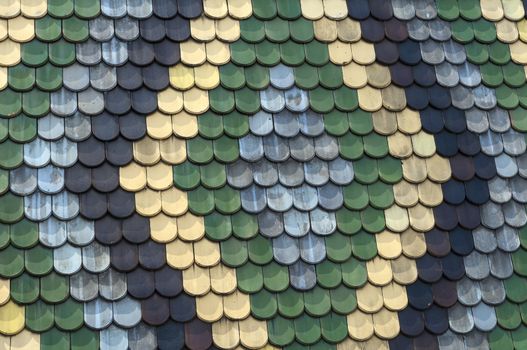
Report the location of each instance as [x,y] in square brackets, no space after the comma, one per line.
[315,317]
[49,309]
[508,79]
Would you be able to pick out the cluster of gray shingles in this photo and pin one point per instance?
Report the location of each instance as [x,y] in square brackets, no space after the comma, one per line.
[496,238]
[41,179]
[290,174]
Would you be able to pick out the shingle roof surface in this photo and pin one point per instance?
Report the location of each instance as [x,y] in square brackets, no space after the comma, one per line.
[265,174]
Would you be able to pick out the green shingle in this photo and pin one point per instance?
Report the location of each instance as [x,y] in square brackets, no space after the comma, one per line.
[264,9]
[317,53]
[242,54]
[500,339]
[290,303]
[210,125]
[60,8]
[10,103]
[227,200]
[363,246]
[381,195]
[338,247]
[301,30]
[244,225]
[200,201]
[54,288]
[462,31]
[48,28]
[200,150]
[351,146]
[267,53]
[328,274]
[348,222]
[249,278]
[321,100]
[49,77]
[257,78]
[307,329]
[276,277]
[263,304]
[499,53]
[84,339]
[484,31]
[24,289]
[24,234]
[11,206]
[221,100]
[288,9]
[334,328]
[217,226]
[39,260]
[469,9]
[234,252]
[317,301]
[260,250]
[232,77]
[247,100]
[447,9]
[343,299]
[252,30]
[21,77]
[236,124]
[477,53]
[507,97]
[372,220]
[375,145]
[213,175]
[69,315]
[306,76]
[39,316]
[355,196]
[281,331]
[491,74]
[330,76]
[354,274]
[366,170]
[277,30]
[22,129]
[54,340]
[87,8]
[35,103]
[75,29]
[292,53]
[11,261]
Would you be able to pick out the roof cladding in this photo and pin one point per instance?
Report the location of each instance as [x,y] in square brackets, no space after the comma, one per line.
[265,174]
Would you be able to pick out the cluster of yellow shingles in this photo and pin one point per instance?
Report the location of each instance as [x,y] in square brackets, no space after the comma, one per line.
[17,25]
[214,285]
[150,177]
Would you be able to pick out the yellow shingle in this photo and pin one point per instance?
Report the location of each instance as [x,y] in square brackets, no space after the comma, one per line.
[209,307]
[312,9]
[404,270]
[225,333]
[21,29]
[179,254]
[12,318]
